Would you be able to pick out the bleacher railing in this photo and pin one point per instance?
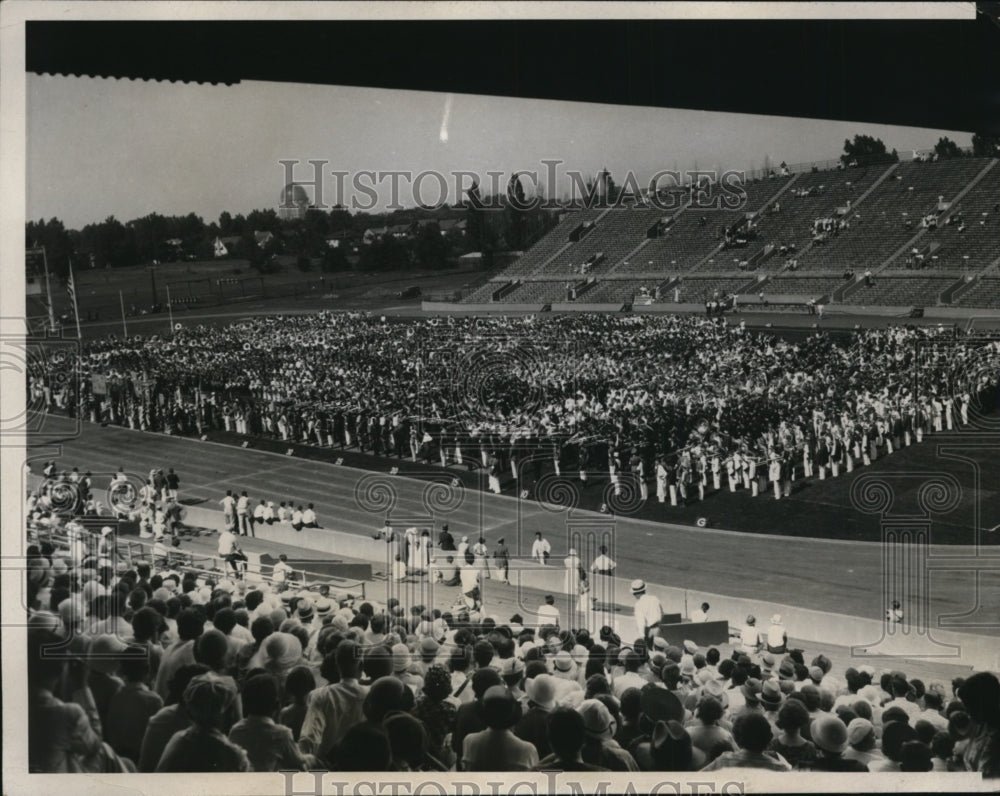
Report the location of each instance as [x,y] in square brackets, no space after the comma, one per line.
[135,551]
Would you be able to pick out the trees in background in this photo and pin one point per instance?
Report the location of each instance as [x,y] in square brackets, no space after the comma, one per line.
[946,148]
[865,150]
[985,146]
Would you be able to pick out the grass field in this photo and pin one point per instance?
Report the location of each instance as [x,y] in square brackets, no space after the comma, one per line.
[195,283]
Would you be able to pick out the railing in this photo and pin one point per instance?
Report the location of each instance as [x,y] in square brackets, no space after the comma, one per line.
[135,551]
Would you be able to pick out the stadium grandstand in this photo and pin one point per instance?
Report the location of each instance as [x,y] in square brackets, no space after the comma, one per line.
[918,233]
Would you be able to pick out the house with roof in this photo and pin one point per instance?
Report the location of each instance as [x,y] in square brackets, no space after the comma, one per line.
[373,234]
[224,244]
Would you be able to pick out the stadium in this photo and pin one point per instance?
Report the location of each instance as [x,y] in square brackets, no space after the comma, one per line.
[672,485]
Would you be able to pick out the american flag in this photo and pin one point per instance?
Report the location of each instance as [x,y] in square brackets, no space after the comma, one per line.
[71,289]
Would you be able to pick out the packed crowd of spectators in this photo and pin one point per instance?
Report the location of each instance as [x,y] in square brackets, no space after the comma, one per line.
[690,404]
[154,669]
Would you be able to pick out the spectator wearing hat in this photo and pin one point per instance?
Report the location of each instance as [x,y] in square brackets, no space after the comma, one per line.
[437,712]
[706,733]
[648,610]
[793,721]
[831,738]
[671,749]
[752,733]
[404,668]
[269,746]
[656,704]
[777,636]
[541,700]
[567,735]
[132,705]
[333,709]
[203,747]
[600,748]
[496,748]
[512,672]
[862,744]
[980,694]
[771,699]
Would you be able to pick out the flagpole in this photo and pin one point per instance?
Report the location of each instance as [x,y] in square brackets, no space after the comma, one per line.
[72,291]
[170,311]
[122,300]
[48,291]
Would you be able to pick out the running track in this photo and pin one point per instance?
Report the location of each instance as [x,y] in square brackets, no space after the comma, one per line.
[827,575]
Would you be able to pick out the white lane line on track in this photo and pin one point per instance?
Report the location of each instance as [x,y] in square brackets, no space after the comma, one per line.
[742,536]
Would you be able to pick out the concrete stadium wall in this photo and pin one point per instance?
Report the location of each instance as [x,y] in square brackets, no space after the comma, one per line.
[581,307]
[479,309]
[864,309]
[668,307]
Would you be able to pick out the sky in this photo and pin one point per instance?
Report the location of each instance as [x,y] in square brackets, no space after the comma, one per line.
[99,147]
